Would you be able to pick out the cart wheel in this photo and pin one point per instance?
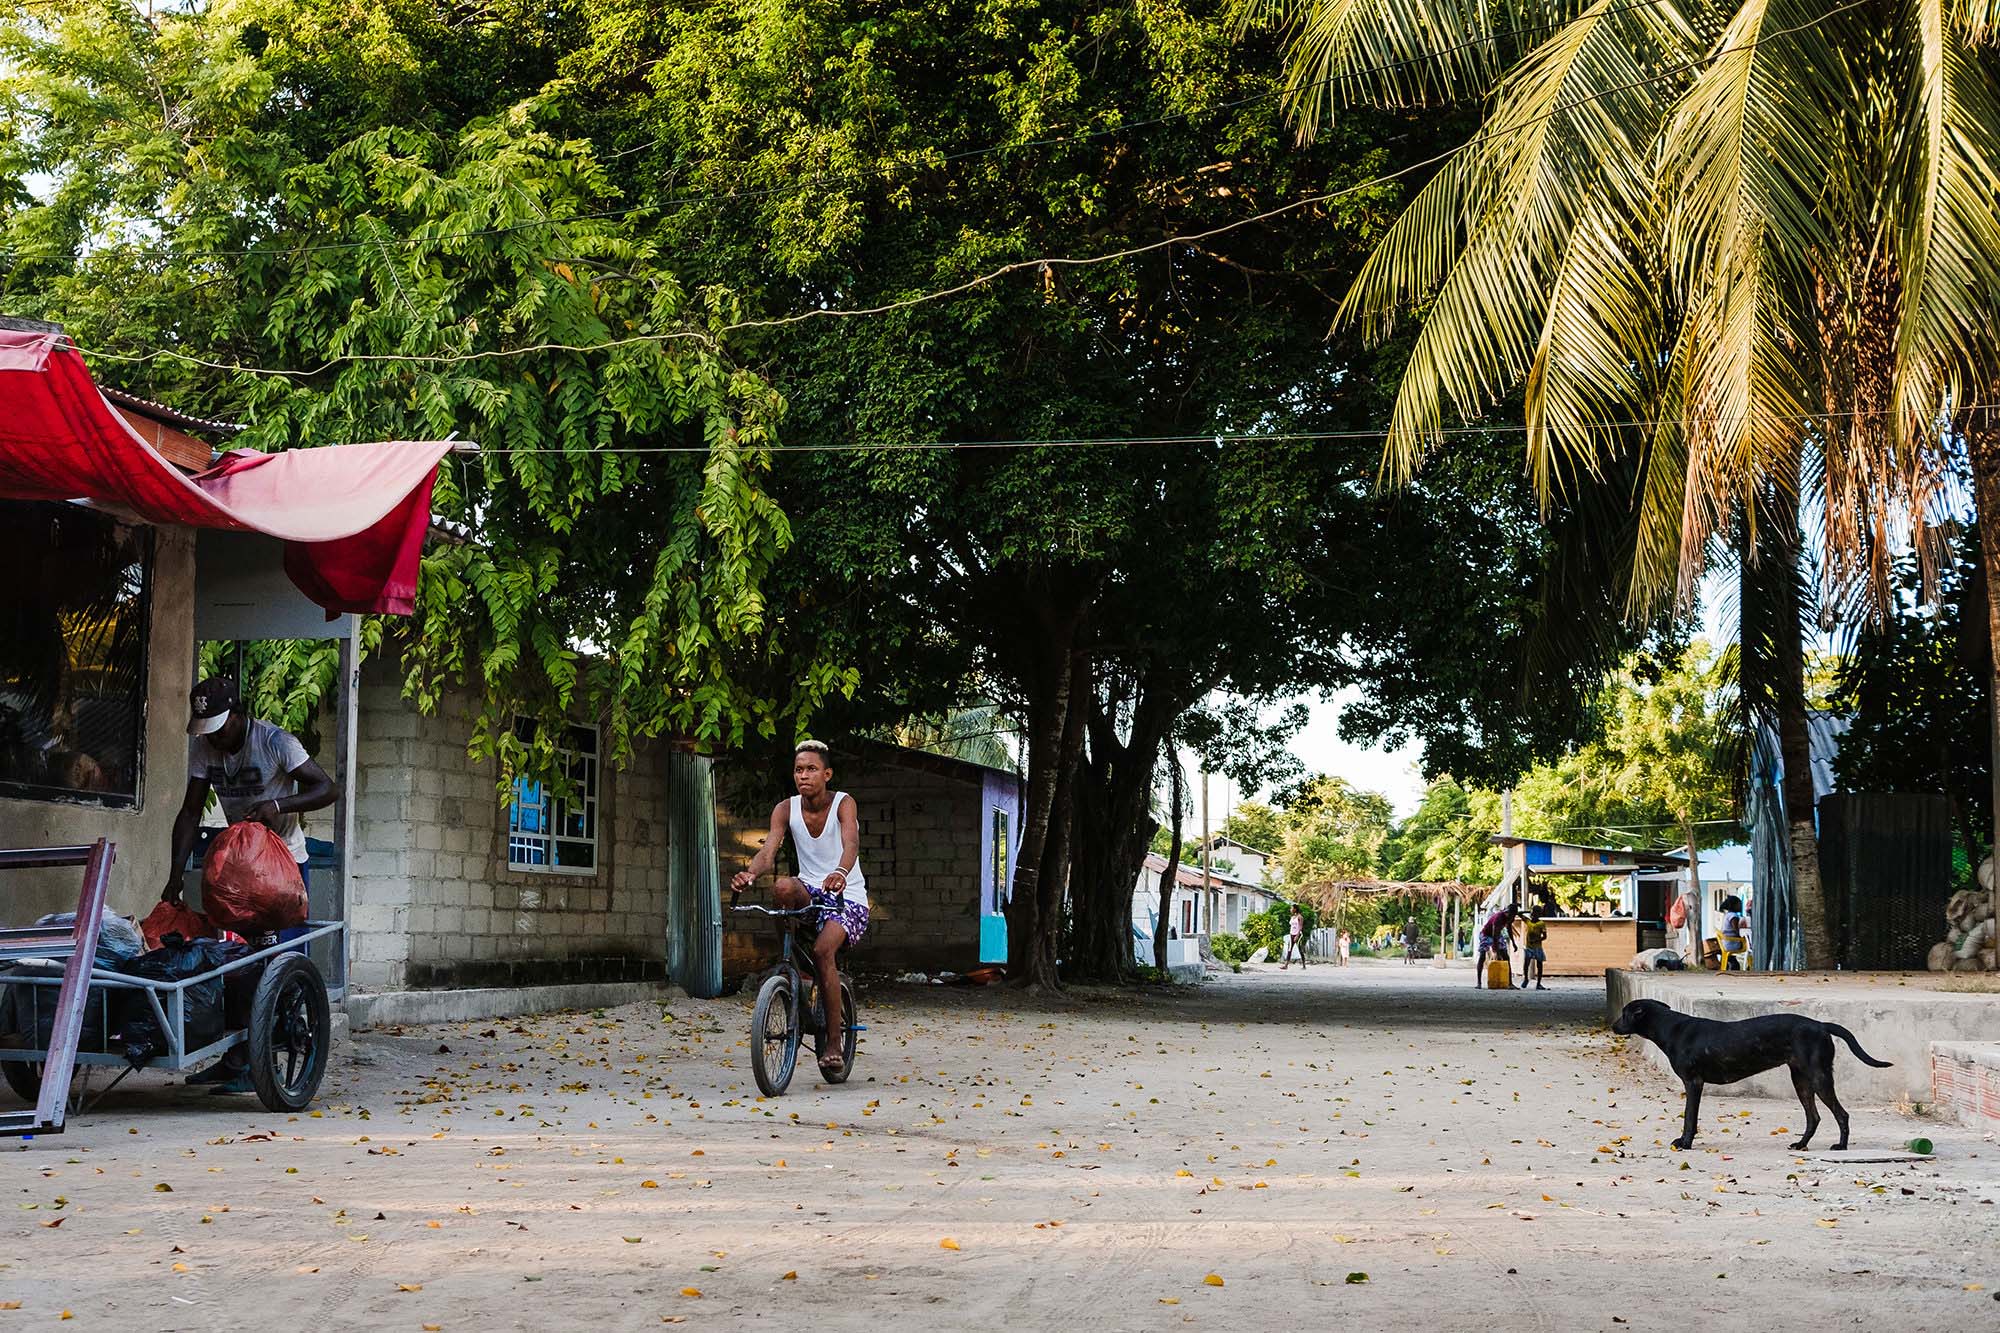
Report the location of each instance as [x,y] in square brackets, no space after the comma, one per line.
[291,1032]
[25,1078]
[774,1038]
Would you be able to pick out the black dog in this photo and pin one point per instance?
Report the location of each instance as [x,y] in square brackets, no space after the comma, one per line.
[1704,1051]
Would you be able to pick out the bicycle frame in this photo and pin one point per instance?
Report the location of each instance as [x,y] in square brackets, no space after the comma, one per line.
[794,960]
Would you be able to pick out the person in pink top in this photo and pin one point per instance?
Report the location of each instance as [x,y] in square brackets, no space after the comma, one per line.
[1495,939]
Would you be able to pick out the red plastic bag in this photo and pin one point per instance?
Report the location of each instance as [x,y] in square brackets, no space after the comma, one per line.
[174,919]
[250,883]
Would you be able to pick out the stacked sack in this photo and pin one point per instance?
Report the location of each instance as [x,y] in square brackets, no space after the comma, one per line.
[1968,945]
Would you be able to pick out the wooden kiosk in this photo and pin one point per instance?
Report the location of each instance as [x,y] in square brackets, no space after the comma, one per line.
[1582,945]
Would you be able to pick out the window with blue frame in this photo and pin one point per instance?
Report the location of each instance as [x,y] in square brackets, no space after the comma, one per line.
[553,825]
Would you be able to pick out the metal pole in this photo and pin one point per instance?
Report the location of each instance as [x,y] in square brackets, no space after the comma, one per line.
[346,787]
[1207,924]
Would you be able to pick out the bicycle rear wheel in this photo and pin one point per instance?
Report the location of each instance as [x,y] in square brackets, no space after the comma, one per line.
[848,1036]
[774,1037]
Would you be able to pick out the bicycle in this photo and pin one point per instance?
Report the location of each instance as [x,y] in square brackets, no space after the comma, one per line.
[788,1007]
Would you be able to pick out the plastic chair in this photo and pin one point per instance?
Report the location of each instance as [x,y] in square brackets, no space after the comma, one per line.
[1732,947]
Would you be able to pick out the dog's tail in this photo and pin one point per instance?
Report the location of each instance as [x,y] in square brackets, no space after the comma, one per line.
[1855,1046]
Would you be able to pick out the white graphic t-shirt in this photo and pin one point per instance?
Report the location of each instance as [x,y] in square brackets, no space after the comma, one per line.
[260,771]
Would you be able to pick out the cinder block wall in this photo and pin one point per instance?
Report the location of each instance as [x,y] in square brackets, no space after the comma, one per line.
[434,902]
[919,848]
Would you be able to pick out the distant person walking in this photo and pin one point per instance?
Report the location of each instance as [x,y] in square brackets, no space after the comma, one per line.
[1295,940]
[1413,938]
[1346,943]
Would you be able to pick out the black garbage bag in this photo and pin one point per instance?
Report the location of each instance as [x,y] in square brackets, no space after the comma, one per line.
[138,1033]
[28,1013]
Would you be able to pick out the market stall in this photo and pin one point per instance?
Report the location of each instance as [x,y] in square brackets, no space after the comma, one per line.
[1594,933]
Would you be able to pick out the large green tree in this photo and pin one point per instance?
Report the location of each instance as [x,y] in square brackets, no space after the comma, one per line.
[842,157]
[344,224]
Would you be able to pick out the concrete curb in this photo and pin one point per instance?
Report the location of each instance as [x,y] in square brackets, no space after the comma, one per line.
[1898,1027]
[409,1008]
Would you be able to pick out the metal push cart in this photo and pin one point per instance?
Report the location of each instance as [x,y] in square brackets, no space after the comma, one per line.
[288,1032]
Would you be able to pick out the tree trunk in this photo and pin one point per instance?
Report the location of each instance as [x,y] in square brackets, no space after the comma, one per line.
[1052,886]
[1986,495]
[1047,683]
[1176,794]
[1113,827]
[1794,733]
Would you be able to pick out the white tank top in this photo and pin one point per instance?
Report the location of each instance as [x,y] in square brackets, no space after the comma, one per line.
[820,857]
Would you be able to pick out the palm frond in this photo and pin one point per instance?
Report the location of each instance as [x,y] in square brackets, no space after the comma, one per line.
[1746,157]
[1946,179]
[1496,236]
[1602,323]
[1399,53]
[1656,556]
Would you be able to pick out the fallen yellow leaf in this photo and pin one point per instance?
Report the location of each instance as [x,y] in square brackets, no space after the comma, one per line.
[1213,1279]
[947,1244]
[1170,1300]
[649,1184]
[691,1292]
[792,1276]
[10,1305]
[409,1286]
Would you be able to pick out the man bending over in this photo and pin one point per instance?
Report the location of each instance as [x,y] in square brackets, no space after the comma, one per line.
[826,834]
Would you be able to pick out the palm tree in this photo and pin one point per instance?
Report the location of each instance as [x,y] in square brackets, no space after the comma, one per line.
[978,734]
[1753,242]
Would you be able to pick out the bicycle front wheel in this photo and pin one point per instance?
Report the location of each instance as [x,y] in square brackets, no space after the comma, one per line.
[774,1037]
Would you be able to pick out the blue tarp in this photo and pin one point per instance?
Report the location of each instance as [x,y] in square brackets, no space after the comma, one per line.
[1774,909]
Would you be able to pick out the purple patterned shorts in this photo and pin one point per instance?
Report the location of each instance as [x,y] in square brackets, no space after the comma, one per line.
[852,915]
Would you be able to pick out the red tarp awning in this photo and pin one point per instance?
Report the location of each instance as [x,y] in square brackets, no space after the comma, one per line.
[352,516]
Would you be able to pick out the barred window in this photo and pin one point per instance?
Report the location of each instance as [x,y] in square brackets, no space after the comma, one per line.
[553,826]
[73,615]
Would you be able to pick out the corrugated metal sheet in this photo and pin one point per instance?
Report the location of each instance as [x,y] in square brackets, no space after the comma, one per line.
[694,889]
[1886,864]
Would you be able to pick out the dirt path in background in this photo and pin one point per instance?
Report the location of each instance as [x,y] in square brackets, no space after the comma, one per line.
[1482,1159]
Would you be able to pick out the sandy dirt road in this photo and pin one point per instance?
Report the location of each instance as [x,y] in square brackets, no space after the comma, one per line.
[1481,1159]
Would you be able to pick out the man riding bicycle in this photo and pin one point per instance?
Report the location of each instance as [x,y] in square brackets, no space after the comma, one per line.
[827,835]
